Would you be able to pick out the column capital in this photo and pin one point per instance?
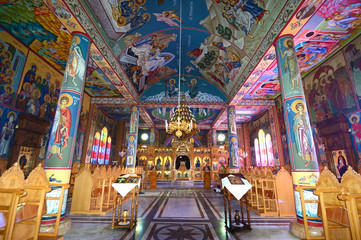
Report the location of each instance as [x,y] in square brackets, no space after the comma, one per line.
[281,36]
[81,33]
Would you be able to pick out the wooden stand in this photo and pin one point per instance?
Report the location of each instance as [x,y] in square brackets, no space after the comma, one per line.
[118,220]
[153,180]
[227,197]
[207,180]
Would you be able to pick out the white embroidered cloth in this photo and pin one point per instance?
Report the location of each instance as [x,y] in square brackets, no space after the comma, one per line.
[236,190]
[124,188]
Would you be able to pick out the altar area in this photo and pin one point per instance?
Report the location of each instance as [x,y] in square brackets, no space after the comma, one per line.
[191,164]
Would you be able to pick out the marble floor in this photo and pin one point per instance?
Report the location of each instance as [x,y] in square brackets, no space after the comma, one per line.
[181,212]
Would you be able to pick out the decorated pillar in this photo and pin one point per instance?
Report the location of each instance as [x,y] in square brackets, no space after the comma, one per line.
[61,146]
[276,137]
[214,137]
[132,139]
[232,140]
[247,145]
[152,137]
[300,142]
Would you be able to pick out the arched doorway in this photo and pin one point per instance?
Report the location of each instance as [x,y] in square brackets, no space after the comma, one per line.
[182,160]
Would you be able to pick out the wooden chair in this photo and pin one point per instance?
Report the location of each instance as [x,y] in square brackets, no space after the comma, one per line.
[351,194]
[332,210]
[59,199]
[11,190]
[36,186]
[269,196]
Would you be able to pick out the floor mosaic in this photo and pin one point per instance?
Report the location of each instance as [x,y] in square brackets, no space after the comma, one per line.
[180,212]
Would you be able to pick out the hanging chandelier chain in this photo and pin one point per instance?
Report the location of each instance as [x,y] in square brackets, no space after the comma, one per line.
[182,124]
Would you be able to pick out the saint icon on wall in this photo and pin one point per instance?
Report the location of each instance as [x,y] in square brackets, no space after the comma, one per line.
[7,133]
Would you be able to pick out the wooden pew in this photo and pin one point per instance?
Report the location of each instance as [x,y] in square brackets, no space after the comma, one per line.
[286,197]
[93,193]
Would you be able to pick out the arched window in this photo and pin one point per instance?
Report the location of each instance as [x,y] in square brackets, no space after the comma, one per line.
[270,155]
[262,147]
[102,145]
[256,149]
[107,151]
[95,149]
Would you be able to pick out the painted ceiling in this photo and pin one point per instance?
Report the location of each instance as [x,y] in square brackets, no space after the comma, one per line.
[223,51]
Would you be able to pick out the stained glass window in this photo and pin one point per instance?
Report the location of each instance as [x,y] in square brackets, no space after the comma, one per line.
[107,151]
[256,149]
[262,147]
[270,155]
[95,149]
[102,145]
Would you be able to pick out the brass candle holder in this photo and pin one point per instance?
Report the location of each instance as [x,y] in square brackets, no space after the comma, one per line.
[125,214]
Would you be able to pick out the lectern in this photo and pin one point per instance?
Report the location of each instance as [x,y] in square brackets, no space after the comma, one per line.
[236,188]
[127,187]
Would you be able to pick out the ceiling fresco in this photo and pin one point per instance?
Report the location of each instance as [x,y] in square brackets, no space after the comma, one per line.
[225,48]
[321,28]
[121,113]
[195,88]
[97,83]
[37,28]
[218,37]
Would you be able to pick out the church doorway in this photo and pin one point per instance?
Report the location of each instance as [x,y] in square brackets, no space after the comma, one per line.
[182,160]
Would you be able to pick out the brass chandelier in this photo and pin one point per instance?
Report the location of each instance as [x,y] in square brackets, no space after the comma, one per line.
[182,124]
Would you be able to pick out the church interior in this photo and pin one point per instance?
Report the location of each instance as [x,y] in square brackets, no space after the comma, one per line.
[183,119]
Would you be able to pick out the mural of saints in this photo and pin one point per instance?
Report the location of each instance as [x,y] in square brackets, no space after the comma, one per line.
[61,126]
[356,132]
[131,150]
[133,120]
[302,132]
[232,121]
[291,65]
[7,133]
[76,63]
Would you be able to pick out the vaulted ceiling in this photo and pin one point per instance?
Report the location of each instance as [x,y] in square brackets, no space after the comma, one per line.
[222,48]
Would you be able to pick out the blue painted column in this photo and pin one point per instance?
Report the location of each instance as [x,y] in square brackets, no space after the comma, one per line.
[62,141]
[232,140]
[300,141]
[132,139]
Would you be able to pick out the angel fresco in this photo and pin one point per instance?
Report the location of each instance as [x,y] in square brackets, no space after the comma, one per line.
[168,17]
